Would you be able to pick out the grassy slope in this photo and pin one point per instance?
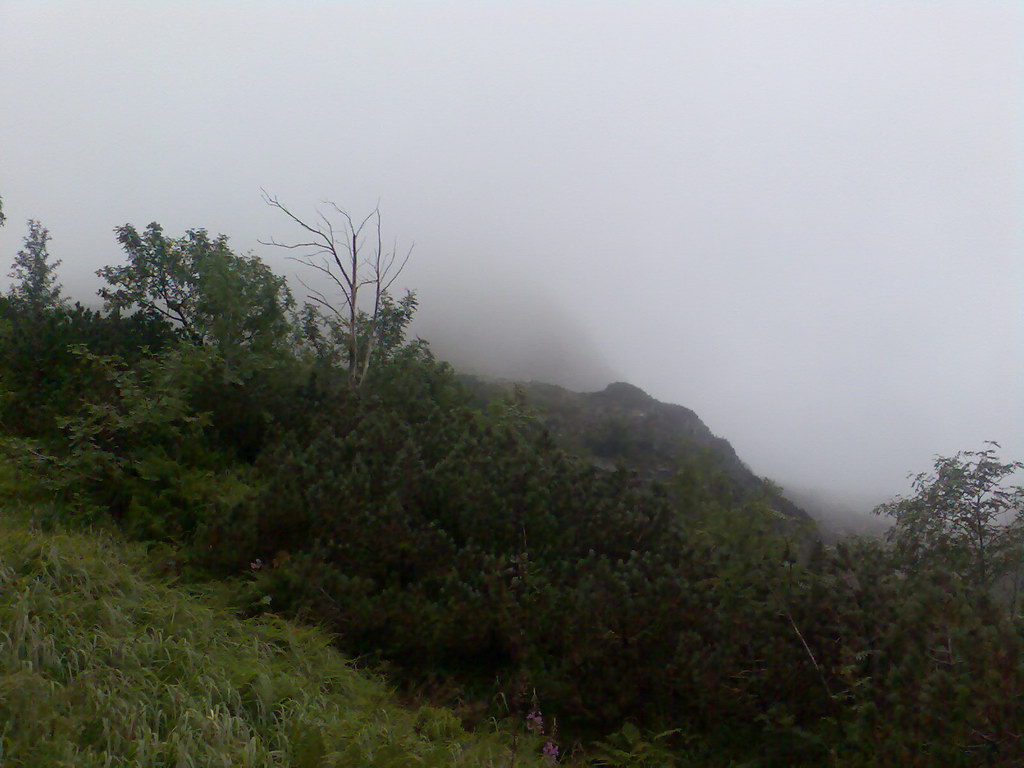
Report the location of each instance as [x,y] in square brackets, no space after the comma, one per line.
[103,665]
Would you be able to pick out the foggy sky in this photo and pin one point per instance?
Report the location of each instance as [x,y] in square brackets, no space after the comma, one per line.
[802,220]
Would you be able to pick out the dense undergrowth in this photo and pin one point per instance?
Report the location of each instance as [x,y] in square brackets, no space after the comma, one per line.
[617,620]
[104,664]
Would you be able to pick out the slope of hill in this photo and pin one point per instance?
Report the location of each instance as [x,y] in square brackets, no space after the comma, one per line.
[623,425]
[102,664]
[839,518]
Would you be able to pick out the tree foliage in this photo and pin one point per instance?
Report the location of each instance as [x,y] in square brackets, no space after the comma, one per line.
[36,288]
[212,295]
[963,515]
[329,338]
[41,376]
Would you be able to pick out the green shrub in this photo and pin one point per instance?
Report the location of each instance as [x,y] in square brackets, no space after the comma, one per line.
[101,665]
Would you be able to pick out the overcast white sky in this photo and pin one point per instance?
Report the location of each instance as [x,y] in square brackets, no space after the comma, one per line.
[801,219]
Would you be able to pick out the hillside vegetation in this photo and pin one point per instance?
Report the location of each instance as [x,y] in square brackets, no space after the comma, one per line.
[314,464]
[102,664]
[623,426]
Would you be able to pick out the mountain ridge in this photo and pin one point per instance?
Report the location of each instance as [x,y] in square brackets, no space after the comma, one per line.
[622,425]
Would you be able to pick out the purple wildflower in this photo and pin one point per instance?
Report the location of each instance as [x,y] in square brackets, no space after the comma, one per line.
[535,721]
[550,753]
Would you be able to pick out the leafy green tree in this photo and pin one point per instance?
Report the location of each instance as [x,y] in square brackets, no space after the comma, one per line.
[31,336]
[393,318]
[196,282]
[964,514]
[137,445]
[329,338]
[36,288]
[42,376]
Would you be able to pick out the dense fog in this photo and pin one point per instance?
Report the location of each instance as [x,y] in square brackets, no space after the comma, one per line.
[803,221]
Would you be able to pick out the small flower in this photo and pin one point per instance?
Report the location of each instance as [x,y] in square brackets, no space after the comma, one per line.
[256,564]
[550,753]
[535,721]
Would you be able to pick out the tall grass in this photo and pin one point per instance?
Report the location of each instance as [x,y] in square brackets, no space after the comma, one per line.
[103,665]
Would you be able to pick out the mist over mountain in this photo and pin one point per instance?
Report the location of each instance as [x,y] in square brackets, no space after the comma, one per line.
[510,330]
[838,515]
[621,425]
[705,273]
[801,221]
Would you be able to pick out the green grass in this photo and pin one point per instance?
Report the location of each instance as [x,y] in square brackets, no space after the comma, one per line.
[103,664]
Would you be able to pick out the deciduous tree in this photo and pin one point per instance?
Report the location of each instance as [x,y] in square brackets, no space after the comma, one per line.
[214,296]
[965,515]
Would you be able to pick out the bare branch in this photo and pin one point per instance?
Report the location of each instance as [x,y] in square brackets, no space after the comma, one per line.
[321,268]
[356,271]
[319,298]
[814,661]
[400,268]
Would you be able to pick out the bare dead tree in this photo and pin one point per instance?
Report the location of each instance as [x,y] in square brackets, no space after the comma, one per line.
[352,257]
